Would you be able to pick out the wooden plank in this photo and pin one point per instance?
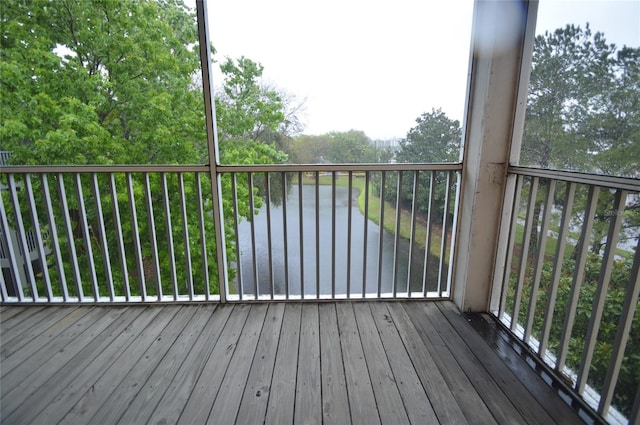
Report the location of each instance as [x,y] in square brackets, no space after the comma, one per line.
[9,311]
[453,349]
[335,400]
[204,394]
[121,352]
[35,370]
[225,408]
[522,381]
[139,359]
[362,401]
[190,321]
[308,403]
[413,393]
[283,385]
[253,406]
[71,371]
[446,384]
[166,392]
[36,331]
[20,325]
[383,381]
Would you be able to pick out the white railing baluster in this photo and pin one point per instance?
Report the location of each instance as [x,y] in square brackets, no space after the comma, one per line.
[317,194]
[203,237]
[445,230]
[557,268]
[333,236]
[37,231]
[152,235]
[87,238]
[185,237]
[578,276]
[542,244]
[13,261]
[396,242]
[70,236]
[254,257]
[427,247]
[412,238]
[524,253]
[349,206]
[267,182]
[622,335]
[234,194]
[103,238]
[601,292]
[301,228]
[512,238]
[381,238]
[367,177]
[283,179]
[22,238]
[135,233]
[53,233]
[170,245]
[118,227]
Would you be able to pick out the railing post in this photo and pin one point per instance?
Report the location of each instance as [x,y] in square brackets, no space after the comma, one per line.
[493,127]
[212,146]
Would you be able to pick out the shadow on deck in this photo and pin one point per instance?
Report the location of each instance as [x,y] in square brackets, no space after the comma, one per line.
[411,362]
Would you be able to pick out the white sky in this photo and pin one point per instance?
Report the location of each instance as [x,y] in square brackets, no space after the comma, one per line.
[376,66]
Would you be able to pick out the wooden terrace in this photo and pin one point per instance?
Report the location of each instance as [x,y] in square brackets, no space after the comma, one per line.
[411,362]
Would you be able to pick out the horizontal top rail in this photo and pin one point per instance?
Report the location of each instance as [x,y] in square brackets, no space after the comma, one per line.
[25,169]
[624,183]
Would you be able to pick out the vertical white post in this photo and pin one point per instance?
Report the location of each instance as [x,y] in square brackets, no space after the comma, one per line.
[212,144]
[503,33]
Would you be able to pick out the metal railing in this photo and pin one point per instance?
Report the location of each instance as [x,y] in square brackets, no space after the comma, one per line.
[146,233]
[567,281]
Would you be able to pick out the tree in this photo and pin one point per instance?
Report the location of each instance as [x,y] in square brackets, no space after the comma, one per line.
[114,82]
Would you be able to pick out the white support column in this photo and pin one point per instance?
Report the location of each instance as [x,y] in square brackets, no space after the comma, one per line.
[503,33]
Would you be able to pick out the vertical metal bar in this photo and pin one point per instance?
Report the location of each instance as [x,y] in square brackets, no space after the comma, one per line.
[203,237]
[349,206]
[317,192]
[136,236]
[87,237]
[542,244]
[170,246]
[300,211]
[380,240]
[454,231]
[37,230]
[427,248]
[512,237]
[396,243]
[55,241]
[333,235]
[267,182]
[634,416]
[70,238]
[366,233]
[118,223]
[153,237]
[22,238]
[103,239]
[578,276]
[557,268]
[12,254]
[254,259]
[412,238]
[234,193]
[185,237]
[283,179]
[622,335]
[3,287]
[212,146]
[533,190]
[445,230]
[601,291]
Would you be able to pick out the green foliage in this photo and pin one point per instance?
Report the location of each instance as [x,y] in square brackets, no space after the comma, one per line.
[349,147]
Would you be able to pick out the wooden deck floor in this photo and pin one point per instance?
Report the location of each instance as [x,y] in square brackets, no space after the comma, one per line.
[313,363]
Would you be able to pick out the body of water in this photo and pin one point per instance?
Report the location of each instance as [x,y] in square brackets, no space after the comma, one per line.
[318,248]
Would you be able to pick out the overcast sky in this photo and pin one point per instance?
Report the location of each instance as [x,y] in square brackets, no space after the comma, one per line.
[376,66]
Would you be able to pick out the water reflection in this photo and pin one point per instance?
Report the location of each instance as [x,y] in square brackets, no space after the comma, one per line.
[322,250]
